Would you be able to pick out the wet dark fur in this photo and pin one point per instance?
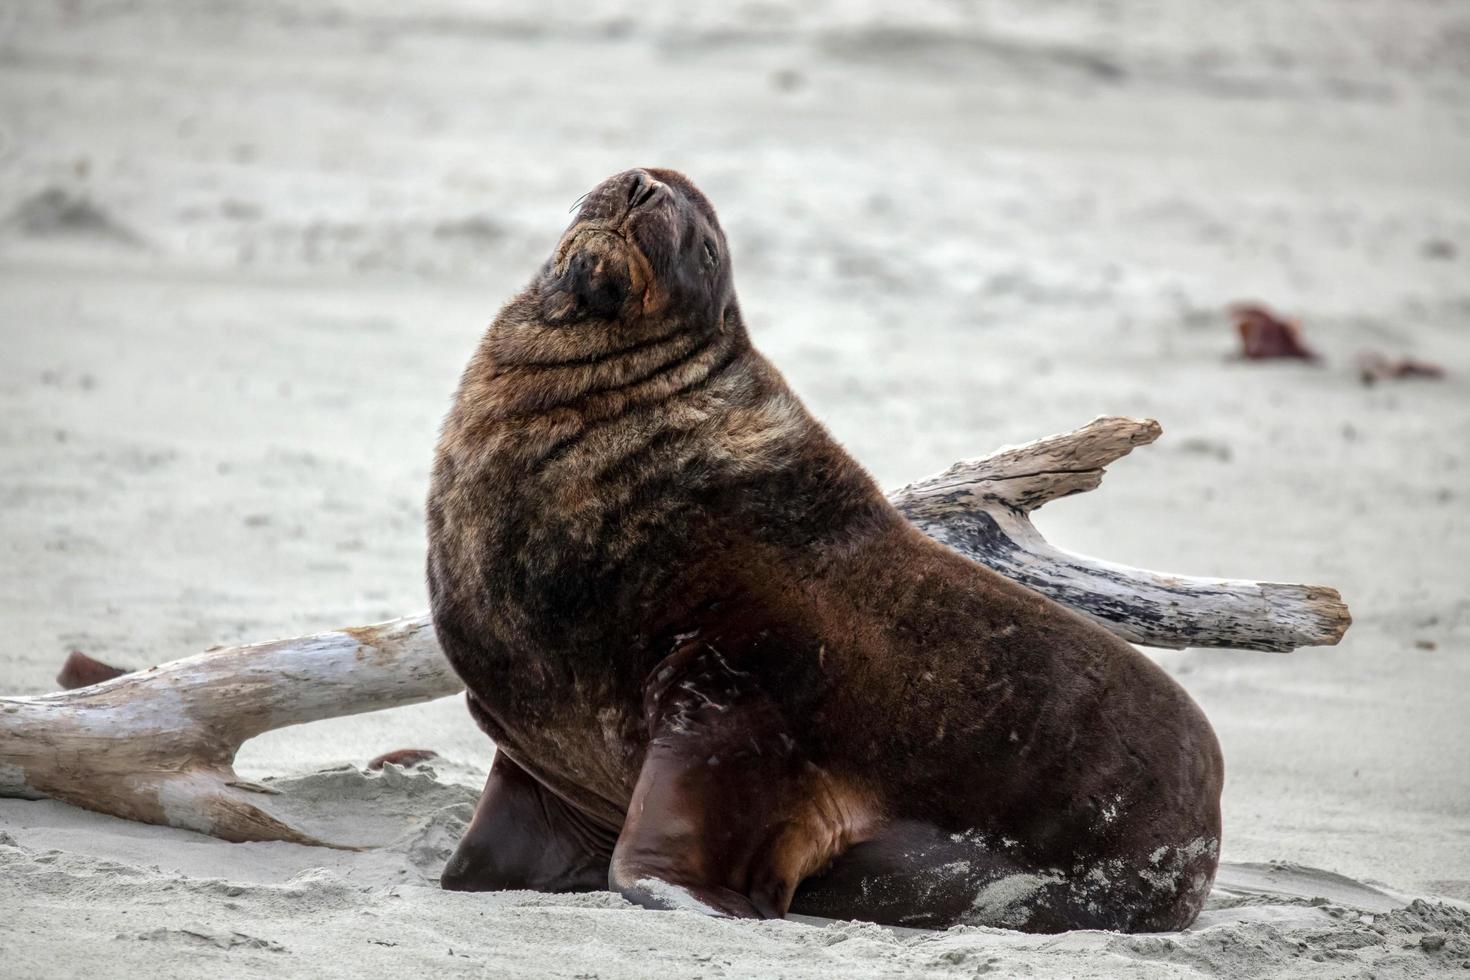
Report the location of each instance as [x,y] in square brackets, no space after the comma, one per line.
[667,588]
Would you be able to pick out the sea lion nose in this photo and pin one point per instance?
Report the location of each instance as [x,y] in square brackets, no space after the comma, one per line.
[641,189]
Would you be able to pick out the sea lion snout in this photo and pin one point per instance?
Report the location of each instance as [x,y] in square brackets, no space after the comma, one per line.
[642,189]
[611,203]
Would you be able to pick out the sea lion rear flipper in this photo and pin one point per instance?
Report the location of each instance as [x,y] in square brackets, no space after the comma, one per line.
[728,814]
[524,836]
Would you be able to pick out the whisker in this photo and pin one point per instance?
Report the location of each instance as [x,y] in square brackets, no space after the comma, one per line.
[577,203]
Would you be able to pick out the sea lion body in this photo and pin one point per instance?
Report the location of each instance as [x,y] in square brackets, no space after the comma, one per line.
[722,670]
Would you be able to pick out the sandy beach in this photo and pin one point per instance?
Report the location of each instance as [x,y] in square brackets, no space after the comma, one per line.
[245,250]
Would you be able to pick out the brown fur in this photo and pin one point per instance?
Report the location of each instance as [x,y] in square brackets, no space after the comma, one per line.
[695,627]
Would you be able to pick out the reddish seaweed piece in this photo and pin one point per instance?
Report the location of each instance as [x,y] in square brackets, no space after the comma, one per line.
[81,670]
[1374,367]
[403,757]
[1264,335]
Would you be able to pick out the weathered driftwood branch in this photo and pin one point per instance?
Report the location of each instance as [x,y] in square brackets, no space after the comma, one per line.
[980,508]
[158,745]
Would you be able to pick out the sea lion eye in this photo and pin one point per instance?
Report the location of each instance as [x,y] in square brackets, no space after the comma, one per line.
[710,253]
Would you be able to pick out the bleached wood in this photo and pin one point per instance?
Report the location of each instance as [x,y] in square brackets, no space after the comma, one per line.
[159,745]
[980,508]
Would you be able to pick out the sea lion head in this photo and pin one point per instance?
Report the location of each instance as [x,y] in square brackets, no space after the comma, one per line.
[645,245]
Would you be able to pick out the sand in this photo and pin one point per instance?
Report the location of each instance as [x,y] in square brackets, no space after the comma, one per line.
[246,248]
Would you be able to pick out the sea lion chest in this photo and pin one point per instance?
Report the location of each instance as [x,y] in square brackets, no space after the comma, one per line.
[558,581]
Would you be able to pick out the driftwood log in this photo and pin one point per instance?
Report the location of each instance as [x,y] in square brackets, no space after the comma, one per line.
[158,745]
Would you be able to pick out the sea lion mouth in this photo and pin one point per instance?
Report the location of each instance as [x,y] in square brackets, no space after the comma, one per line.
[595,273]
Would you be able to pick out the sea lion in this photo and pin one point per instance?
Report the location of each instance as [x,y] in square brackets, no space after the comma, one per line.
[723,673]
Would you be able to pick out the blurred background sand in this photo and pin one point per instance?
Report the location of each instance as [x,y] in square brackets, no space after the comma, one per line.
[246,247]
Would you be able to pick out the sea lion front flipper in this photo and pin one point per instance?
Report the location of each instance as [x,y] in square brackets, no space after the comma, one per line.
[728,815]
[524,836]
